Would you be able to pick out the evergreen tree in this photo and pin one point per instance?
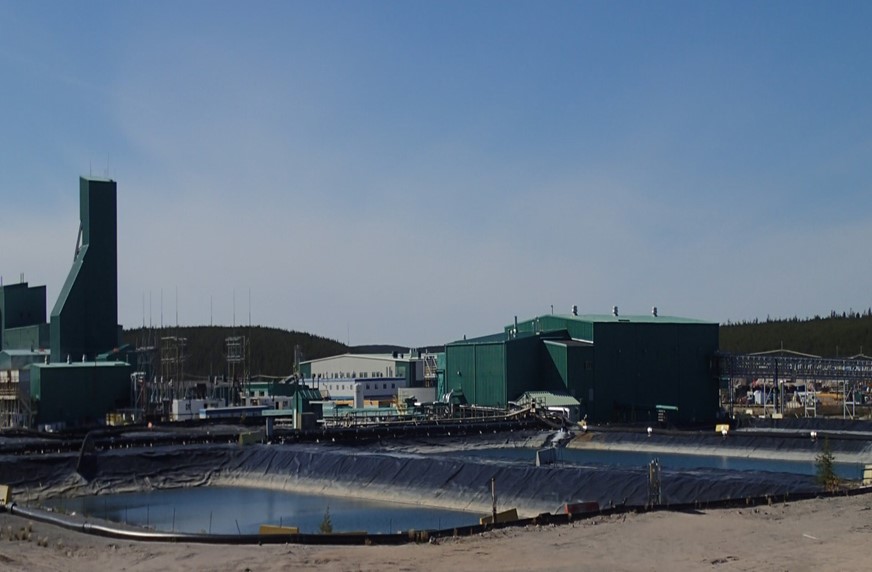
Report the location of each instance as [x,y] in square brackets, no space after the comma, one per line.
[326,526]
[826,474]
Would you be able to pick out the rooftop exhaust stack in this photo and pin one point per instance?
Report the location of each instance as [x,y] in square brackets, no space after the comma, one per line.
[574,310]
[614,311]
[654,311]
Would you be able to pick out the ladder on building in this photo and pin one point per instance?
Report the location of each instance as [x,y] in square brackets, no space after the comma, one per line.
[429,369]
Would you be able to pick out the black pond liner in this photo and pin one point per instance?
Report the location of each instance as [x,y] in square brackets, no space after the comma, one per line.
[431,479]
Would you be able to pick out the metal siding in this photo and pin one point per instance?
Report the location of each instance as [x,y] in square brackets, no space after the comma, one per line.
[641,365]
[27,337]
[84,320]
[554,366]
[580,330]
[479,370]
[490,375]
[22,305]
[440,376]
[577,377]
[35,383]
[523,367]
[80,395]
[699,387]
[459,366]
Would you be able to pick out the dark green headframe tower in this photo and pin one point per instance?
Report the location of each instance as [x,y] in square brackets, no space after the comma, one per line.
[84,321]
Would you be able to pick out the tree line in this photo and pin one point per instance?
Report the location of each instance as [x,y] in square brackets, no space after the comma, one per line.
[844,334]
[269,351]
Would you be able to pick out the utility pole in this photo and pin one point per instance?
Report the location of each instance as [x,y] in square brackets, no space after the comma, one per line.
[494,498]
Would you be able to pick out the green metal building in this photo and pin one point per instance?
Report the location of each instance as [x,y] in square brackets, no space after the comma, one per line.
[22,317]
[77,387]
[84,321]
[79,394]
[619,368]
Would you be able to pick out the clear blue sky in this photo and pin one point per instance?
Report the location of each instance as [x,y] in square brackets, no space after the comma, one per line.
[410,172]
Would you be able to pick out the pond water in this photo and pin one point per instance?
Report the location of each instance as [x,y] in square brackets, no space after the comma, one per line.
[240,510]
[668,461]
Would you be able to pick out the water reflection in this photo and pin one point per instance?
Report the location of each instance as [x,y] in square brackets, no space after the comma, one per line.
[238,510]
[667,460]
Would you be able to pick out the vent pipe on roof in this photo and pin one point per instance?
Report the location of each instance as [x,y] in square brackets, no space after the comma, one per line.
[654,311]
[574,310]
[614,311]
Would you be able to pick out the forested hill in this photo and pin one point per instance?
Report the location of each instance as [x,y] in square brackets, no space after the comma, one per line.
[839,335]
[271,349]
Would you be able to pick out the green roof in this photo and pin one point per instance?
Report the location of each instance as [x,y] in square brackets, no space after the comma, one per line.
[81,364]
[570,343]
[18,353]
[640,319]
[549,399]
[492,338]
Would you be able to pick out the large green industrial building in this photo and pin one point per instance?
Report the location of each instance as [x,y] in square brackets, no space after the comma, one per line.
[621,369]
[76,386]
[84,321]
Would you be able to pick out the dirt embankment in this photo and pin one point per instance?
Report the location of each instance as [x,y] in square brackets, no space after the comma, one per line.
[822,534]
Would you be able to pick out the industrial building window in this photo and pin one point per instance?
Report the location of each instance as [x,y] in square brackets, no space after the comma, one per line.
[367,386]
[385,386]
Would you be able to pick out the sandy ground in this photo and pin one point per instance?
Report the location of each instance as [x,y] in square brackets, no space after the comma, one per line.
[821,534]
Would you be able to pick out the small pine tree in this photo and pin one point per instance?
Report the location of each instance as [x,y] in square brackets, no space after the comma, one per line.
[826,474]
[326,526]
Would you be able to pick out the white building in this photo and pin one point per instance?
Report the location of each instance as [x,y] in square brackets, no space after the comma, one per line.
[185,409]
[358,391]
[358,378]
[408,366]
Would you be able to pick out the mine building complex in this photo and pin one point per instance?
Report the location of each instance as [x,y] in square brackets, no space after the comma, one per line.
[67,369]
[78,381]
